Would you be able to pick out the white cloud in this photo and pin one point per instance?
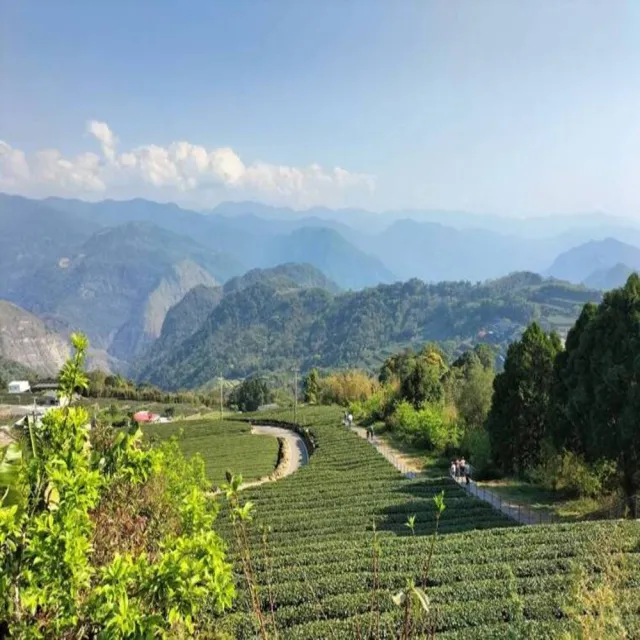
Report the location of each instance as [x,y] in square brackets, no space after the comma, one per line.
[179,168]
[105,136]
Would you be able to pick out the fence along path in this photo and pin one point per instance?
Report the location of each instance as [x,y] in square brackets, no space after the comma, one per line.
[520,513]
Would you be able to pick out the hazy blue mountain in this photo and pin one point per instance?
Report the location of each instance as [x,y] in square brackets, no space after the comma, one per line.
[542,226]
[432,245]
[32,235]
[580,263]
[434,253]
[328,251]
[119,284]
[264,328]
[609,278]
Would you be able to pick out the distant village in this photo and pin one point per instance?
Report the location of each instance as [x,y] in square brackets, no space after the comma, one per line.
[24,401]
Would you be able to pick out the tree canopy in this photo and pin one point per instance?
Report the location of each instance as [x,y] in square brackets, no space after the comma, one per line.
[251,394]
[517,420]
[598,384]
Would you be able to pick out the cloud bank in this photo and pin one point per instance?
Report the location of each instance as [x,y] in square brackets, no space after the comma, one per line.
[179,170]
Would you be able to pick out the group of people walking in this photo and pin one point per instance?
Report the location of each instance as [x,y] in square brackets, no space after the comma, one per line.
[460,468]
[348,422]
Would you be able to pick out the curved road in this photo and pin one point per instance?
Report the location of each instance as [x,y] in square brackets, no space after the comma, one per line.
[297,453]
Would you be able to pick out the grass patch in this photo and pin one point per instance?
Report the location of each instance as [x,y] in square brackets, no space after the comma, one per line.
[551,503]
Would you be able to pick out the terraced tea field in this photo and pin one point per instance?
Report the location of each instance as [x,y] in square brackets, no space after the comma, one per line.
[223,445]
[489,577]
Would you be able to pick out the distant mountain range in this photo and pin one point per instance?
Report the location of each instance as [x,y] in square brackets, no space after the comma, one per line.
[612,278]
[373,222]
[603,264]
[265,327]
[114,269]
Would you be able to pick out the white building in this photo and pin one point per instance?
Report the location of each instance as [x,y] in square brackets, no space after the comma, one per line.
[19,386]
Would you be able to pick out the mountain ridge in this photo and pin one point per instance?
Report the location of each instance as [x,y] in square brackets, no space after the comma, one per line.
[579,263]
[262,328]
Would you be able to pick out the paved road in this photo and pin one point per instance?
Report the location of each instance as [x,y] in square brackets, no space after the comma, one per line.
[297,448]
[295,454]
[520,513]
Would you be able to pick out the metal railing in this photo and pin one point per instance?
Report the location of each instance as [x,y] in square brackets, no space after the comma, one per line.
[521,513]
[525,514]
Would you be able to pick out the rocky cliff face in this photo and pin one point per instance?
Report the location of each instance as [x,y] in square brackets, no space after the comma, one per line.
[24,338]
[146,320]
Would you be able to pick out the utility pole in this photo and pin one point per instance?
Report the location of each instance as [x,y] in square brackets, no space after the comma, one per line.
[221,399]
[295,396]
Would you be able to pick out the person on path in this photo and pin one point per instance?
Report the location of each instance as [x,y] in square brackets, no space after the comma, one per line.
[467,472]
[452,469]
[350,419]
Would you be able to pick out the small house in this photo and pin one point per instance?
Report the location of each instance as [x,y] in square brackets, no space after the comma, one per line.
[146,417]
[19,386]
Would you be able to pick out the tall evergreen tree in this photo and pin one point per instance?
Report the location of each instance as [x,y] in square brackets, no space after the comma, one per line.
[517,421]
[565,430]
[311,386]
[601,376]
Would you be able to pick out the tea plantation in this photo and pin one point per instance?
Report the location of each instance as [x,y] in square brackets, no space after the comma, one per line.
[489,578]
[223,446]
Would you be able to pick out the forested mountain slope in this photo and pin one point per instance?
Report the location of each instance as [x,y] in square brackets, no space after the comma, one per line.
[284,276]
[264,328]
[188,315]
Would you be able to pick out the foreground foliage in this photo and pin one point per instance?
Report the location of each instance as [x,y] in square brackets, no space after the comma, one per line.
[107,539]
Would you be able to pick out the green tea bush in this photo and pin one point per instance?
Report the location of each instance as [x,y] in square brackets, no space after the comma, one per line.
[489,577]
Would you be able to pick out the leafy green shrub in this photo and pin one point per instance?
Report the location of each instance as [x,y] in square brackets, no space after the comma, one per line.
[429,426]
[107,539]
[569,473]
[377,407]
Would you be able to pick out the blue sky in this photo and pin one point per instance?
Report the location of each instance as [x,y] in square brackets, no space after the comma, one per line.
[506,107]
